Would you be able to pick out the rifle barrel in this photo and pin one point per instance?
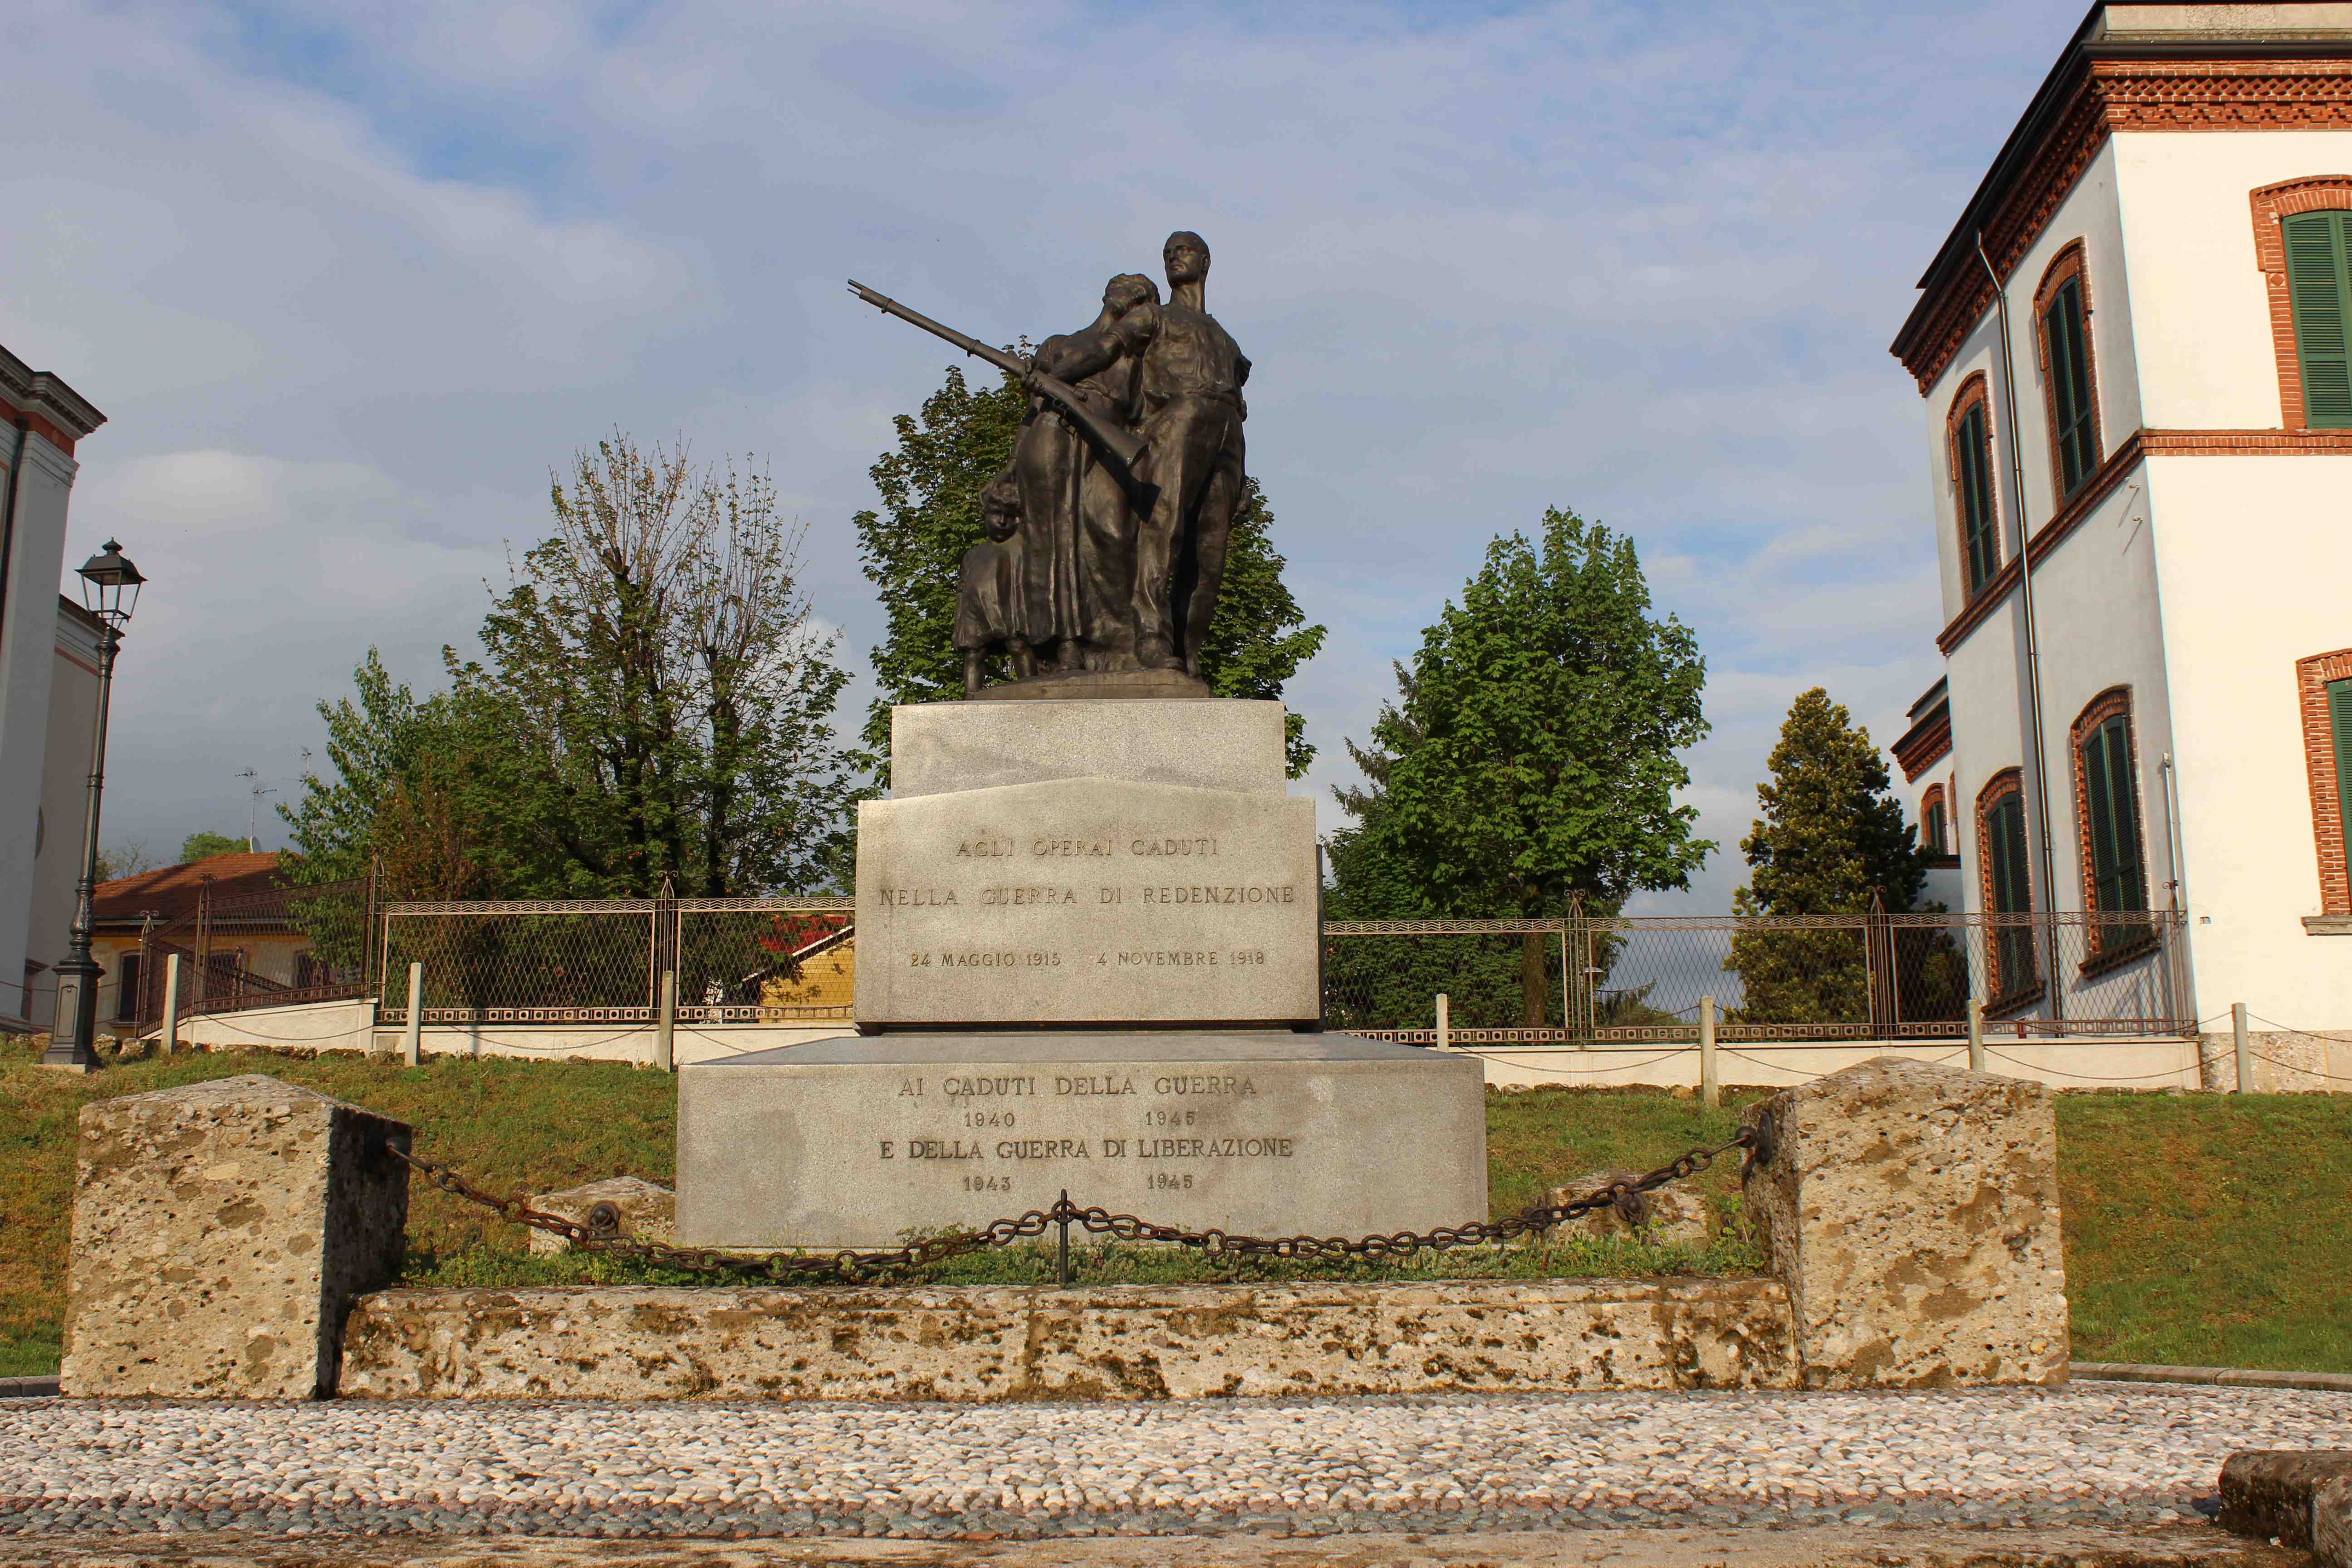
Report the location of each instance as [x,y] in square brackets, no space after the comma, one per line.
[973,346]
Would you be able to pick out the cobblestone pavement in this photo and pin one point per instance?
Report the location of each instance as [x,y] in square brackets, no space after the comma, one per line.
[2196,1545]
[2088,1455]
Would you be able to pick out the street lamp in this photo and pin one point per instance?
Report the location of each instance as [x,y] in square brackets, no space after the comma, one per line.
[110,587]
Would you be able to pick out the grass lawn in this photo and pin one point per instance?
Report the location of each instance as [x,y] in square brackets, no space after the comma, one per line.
[2200,1230]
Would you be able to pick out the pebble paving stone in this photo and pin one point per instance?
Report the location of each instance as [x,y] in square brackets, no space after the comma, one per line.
[2086,1455]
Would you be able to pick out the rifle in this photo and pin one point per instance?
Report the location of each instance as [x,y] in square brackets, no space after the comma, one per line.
[1118,449]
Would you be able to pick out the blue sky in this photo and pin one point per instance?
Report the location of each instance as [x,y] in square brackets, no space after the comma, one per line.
[349,281]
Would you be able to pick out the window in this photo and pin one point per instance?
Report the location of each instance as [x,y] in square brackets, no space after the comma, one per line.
[2106,811]
[126,989]
[2064,313]
[1972,454]
[2319,287]
[1932,834]
[2008,891]
[2325,687]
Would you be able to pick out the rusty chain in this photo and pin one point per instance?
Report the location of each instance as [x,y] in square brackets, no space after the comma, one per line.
[599,1234]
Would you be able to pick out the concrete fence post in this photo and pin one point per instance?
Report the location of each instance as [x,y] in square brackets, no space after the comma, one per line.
[1710,1092]
[1444,1026]
[2238,1044]
[170,1040]
[1976,1035]
[666,1023]
[412,1038]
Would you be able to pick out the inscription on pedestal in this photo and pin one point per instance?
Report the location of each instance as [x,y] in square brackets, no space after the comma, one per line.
[857,1142]
[1083,900]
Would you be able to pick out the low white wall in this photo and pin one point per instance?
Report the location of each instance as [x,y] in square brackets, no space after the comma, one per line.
[307,1027]
[2164,1062]
[608,1042]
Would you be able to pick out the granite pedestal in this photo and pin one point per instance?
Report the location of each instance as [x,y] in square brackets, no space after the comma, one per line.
[1087,959]
[856,1141]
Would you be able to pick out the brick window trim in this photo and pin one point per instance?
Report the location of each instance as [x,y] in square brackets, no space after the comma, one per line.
[2270,204]
[2311,677]
[1931,803]
[2109,704]
[2068,262]
[1975,392]
[2000,787]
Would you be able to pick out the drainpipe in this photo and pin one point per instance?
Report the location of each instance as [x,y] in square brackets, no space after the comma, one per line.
[2032,642]
[8,514]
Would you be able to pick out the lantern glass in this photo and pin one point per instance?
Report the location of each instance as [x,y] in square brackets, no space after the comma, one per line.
[109,585]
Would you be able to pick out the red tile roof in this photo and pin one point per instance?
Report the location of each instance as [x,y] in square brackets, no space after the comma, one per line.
[172,891]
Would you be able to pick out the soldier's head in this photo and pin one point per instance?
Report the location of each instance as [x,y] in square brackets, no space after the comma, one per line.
[1128,289]
[1000,508]
[1186,256]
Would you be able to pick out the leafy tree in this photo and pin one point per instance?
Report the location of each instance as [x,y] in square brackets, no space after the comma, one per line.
[665,691]
[124,857]
[913,547]
[1530,758]
[381,742]
[1831,841]
[654,702]
[203,846]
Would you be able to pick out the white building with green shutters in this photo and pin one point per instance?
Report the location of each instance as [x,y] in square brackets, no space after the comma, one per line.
[2169,226]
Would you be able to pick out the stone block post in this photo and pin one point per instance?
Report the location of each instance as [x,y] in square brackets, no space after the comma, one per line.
[1912,1211]
[220,1233]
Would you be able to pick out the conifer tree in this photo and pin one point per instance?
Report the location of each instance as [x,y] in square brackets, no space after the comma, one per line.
[1831,840]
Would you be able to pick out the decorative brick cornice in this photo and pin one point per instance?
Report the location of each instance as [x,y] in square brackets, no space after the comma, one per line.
[2096,98]
[1925,743]
[2270,204]
[2311,677]
[50,408]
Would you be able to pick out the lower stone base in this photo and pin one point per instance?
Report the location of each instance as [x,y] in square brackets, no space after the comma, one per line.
[973,1343]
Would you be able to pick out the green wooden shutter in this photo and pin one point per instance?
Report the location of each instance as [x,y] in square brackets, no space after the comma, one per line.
[2318,289]
[1976,498]
[2013,892]
[2123,796]
[2118,879]
[2339,715]
[2070,386]
[2012,947]
[2100,791]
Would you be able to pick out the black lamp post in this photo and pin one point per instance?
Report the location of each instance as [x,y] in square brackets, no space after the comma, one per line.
[111,589]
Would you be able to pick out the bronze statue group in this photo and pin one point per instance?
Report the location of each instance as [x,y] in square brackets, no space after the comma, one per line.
[1106,532]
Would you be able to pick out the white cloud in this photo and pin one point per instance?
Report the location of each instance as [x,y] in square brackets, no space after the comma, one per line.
[351,280]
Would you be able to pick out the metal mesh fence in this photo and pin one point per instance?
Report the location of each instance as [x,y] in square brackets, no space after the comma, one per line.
[600,961]
[747,961]
[1639,979]
[265,947]
[1632,980]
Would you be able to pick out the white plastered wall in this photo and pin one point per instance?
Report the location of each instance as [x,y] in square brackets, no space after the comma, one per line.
[65,788]
[2090,215]
[2200,307]
[2096,609]
[27,656]
[2254,553]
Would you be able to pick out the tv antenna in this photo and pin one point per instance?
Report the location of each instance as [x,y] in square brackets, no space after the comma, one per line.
[252,807]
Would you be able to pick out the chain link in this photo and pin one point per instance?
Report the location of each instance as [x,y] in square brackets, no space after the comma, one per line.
[1627,1197]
